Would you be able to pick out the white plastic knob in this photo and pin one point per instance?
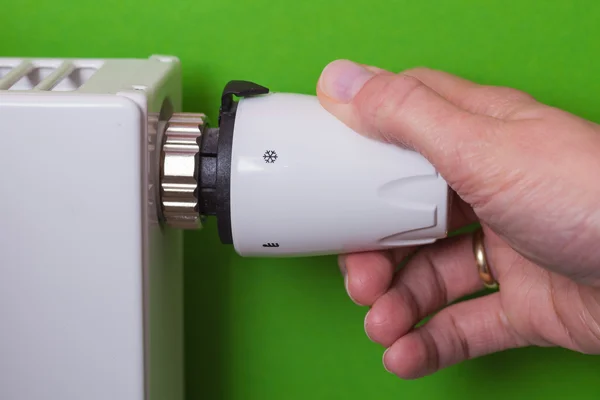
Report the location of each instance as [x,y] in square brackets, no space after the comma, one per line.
[303,183]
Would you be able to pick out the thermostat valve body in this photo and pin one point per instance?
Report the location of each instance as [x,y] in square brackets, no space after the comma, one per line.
[284,177]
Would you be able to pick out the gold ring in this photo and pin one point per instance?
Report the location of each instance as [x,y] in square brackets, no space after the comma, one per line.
[485,272]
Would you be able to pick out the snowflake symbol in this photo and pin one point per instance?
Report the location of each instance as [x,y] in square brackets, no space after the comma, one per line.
[270,156]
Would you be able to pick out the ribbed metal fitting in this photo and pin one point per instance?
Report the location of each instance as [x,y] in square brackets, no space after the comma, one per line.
[178,174]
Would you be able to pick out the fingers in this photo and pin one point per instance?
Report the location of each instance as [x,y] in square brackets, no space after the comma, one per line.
[368,275]
[475,153]
[401,109]
[433,278]
[497,102]
[462,331]
[382,104]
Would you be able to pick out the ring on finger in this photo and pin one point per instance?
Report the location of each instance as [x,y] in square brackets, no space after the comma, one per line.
[481,260]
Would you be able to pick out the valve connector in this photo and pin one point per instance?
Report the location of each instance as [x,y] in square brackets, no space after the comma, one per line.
[179,172]
[196,165]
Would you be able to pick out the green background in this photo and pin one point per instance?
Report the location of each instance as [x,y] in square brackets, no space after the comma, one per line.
[284,329]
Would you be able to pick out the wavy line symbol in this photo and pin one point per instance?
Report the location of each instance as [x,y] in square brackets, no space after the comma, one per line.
[271,245]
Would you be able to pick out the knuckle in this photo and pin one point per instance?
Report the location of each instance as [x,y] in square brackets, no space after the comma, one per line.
[508,93]
[461,345]
[414,307]
[489,185]
[440,292]
[479,173]
[505,102]
[418,71]
[433,355]
[384,101]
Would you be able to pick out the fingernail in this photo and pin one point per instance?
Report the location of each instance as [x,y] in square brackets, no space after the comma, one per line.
[341,80]
[365,326]
[342,266]
[383,361]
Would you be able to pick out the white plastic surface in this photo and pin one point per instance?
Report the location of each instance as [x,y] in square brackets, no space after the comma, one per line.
[71,283]
[329,190]
[90,288]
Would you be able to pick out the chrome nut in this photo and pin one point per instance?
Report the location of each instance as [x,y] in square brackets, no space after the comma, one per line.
[178,173]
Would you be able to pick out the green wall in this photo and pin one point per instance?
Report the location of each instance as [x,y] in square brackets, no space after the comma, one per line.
[284,329]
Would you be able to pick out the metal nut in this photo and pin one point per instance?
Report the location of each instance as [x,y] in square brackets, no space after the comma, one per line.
[178,175]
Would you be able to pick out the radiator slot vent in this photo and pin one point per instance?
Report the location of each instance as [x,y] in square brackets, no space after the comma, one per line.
[75,79]
[32,78]
[4,71]
[46,74]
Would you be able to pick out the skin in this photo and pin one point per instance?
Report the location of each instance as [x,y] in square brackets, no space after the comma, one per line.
[526,171]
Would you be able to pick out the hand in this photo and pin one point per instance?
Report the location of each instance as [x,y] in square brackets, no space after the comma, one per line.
[529,173]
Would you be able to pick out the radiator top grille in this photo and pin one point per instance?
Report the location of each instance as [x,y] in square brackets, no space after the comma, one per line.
[60,75]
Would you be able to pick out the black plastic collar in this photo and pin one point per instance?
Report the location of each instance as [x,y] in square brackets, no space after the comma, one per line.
[214,188]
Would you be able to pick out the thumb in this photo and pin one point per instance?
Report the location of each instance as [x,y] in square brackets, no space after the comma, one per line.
[401,109]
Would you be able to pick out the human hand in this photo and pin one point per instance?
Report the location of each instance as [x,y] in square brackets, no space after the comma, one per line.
[526,171]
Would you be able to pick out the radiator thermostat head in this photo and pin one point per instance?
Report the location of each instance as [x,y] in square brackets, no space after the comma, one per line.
[283,177]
